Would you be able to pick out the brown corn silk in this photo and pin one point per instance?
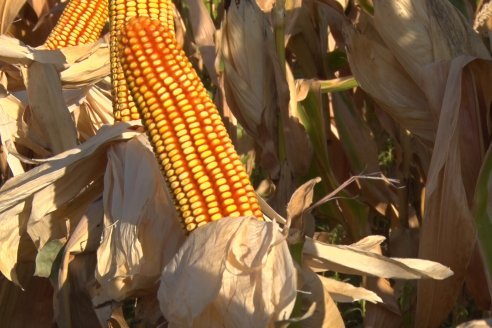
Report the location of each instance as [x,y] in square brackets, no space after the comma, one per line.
[120,11]
[80,23]
[190,141]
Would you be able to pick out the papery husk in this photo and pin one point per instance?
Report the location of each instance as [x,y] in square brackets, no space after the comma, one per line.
[142,228]
[249,81]
[484,323]
[235,272]
[36,195]
[94,111]
[92,66]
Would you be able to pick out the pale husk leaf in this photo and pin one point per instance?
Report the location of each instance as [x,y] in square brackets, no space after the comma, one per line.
[142,229]
[94,111]
[13,51]
[91,68]
[233,273]
[48,187]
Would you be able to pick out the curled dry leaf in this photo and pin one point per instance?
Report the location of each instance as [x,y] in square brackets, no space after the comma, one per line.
[142,231]
[232,273]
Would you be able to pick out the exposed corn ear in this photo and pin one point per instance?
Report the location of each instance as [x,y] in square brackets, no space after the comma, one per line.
[120,11]
[81,22]
[200,163]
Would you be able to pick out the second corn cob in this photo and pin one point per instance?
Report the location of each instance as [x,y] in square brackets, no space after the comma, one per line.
[189,138]
[81,22]
[120,11]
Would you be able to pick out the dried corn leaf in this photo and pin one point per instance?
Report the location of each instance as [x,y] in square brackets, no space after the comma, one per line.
[79,275]
[203,32]
[448,234]
[142,229]
[233,273]
[353,260]
[8,11]
[11,110]
[343,292]
[13,51]
[44,189]
[326,313]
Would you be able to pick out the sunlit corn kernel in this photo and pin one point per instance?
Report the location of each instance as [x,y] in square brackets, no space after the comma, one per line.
[231,208]
[198,211]
[216,217]
[208,192]
[190,227]
[204,186]
[228,201]
[200,218]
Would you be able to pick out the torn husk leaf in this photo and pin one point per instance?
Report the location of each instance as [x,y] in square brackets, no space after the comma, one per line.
[232,273]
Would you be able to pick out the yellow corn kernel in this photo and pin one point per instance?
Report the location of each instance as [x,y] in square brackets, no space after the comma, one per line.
[120,11]
[208,199]
[81,22]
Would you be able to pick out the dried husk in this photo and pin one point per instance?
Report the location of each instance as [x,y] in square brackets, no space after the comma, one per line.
[142,229]
[232,272]
[35,196]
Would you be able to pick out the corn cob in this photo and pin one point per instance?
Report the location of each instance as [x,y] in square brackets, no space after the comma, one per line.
[189,138]
[120,11]
[81,22]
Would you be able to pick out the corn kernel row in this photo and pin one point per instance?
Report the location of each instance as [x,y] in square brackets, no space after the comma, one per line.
[80,23]
[120,12]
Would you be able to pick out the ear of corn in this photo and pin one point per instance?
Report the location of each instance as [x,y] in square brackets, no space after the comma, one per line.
[81,22]
[189,138]
[120,11]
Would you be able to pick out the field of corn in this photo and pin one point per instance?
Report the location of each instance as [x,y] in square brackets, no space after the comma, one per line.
[245,163]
